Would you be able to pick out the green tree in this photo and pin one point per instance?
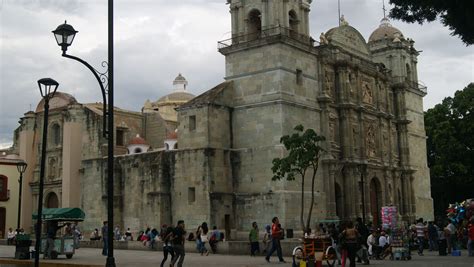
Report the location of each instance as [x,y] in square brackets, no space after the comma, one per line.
[304,151]
[457,15]
[450,147]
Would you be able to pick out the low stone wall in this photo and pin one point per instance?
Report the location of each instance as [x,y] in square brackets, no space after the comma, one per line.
[226,248]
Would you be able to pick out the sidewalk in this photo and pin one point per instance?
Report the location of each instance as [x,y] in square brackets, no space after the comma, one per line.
[86,257]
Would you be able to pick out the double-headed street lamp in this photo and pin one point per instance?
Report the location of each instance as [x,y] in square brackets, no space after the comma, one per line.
[21,167]
[47,87]
[64,35]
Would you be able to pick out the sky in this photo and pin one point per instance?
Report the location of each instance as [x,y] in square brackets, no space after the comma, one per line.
[157,39]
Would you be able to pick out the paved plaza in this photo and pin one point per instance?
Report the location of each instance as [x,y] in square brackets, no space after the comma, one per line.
[131,258]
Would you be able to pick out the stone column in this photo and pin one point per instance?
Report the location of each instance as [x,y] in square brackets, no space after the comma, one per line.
[331,192]
[234,11]
[412,195]
[242,20]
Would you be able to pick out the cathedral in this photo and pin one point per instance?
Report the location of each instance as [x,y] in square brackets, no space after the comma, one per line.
[208,158]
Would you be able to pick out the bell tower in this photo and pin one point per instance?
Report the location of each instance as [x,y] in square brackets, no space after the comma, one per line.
[273,65]
[255,16]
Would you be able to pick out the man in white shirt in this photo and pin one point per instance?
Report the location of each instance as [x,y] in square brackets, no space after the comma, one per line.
[372,243]
[11,236]
[451,236]
[384,243]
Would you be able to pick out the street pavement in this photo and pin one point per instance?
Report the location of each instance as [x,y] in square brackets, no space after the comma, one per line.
[140,258]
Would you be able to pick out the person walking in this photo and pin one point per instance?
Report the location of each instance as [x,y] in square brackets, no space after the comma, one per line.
[166,236]
[204,238]
[420,235]
[450,234]
[350,237]
[215,238]
[197,238]
[470,242]
[442,242]
[51,229]
[432,236]
[179,235]
[253,238]
[277,234]
[117,235]
[267,239]
[105,238]
[362,253]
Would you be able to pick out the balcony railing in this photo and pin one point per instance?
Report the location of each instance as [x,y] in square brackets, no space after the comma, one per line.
[411,84]
[275,31]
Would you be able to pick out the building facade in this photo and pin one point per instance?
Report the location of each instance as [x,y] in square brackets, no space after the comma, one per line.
[364,97]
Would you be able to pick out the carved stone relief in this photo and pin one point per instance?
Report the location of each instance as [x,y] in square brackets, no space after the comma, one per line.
[368,95]
[370,141]
[394,141]
[351,84]
[385,139]
[52,163]
[355,138]
[329,83]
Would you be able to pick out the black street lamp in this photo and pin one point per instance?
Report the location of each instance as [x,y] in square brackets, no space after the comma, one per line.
[47,87]
[21,167]
[64,35]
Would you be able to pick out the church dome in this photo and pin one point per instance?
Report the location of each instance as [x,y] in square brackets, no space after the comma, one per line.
[175,97]
[138,140]
[179,94]
[59,100]
[385,30]
[173,135]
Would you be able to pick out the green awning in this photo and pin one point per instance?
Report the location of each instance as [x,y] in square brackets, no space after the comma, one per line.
[62,214]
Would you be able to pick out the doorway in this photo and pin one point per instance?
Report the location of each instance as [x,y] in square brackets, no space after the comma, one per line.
[52,201]
[375,200]
[3,218]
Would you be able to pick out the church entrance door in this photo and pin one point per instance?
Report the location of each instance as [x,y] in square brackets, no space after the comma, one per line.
[375,200]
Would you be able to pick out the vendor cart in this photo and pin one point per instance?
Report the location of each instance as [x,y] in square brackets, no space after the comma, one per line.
[317,248]
[400,249]
[63,245]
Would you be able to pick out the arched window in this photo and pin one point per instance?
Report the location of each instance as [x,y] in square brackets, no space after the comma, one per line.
[293,22]
[138,150]
[55,134]
[52,201]
[3,187]
[254,23]
[176,146]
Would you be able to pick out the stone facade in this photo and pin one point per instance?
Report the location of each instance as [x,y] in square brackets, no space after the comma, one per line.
[364,97]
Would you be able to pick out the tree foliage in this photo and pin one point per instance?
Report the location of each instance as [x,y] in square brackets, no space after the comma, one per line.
[304,151]
[450,147]
[454,14]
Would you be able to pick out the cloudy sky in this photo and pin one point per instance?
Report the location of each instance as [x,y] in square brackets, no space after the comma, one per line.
[157,39]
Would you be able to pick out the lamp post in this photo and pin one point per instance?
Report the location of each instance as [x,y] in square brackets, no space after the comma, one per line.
[362,169]
[21,167]
[64,35]
[47,87]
